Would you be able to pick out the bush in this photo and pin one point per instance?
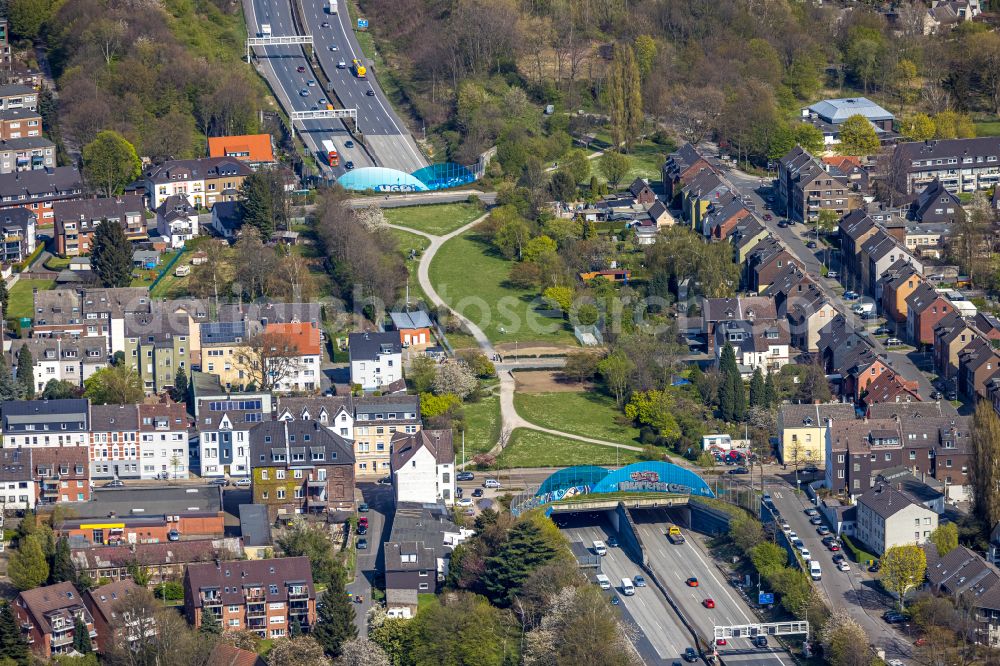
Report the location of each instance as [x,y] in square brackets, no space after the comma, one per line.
[169,591]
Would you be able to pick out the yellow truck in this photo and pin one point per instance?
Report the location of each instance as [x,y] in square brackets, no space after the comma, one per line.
[359,69]
[674,535]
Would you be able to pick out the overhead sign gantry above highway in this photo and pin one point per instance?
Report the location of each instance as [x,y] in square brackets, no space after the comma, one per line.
[763,629]
[284,40]
[321,114]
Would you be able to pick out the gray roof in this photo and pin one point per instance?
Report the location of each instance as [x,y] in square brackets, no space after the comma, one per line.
[151,501]
[886,501]
[415,319]
[19,114]
[279,572]
[906,410]
[984,147]
[366,406]
[98,209]
[223,332]
[254,525]
[438,442]
[19,412]
[111,418]
[15,464]
[40,184]
[394,551]
[797,416]
[838,110]
[12,89]
[229,214]
[424,523]
[313,406]
[369,346]
[26,143]
[290,437]
[272,313]
[206,167]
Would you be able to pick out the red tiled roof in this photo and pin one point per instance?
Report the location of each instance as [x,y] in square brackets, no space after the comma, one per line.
[257,145]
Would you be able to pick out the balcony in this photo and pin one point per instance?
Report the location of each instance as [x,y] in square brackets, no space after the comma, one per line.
[62,638]
[255,624]
[256,610]
[211,600]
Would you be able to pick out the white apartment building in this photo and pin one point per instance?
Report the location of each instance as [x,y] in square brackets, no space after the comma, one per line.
[376,359]
[887,517]
[423,467]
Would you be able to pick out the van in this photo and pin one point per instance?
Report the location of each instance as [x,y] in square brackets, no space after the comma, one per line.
[627,588]
[600,548]
[814,571]
[604,582]
[491,483]
[893,342]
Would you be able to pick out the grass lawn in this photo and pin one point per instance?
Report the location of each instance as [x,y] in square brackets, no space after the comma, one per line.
[482,427]
[647,158]
[530,448]
[406,241]
[471,279]
[22,300]
[424,600]
[586,413]
[57,263]
[991,128]
[439,219]
[459,340]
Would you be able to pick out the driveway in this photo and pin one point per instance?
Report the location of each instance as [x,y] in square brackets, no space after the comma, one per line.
[370,566]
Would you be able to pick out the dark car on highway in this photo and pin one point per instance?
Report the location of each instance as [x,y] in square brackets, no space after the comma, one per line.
[362,544]
[690,655]
[739,470]
[465,476]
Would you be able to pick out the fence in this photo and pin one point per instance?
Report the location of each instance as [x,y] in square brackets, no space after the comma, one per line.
[166,269]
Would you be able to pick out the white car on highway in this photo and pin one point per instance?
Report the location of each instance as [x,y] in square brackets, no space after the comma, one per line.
[806,555]
[844,566]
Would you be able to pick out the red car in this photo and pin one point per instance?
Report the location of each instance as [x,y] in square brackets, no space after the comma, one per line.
[834,547]
[721,641]
[708,603]
[363,520]
[767,217]
[300,69]
[692,582]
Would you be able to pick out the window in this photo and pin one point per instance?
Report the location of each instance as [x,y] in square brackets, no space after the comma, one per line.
[281,493]
[263,475]
[297,474]
[279,474]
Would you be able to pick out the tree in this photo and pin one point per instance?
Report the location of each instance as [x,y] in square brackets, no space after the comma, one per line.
[26,372]
[511,235]
[844,640]
[28,16]
[984,468]
[313,541]
[732,399]
[560,297]
[298,651]
[263,202]
[111,256]
[28,566]
[576,164]
[580,365]
[809,137]
[179,391]
[746,532]
[9,389]
[4,299]
[81,637]
[210,623]
[525,549]
[616,368]
[335,620]
[267,359]
[212,278]
[477,363]
[62,564]
[903,569]
[562,186]
[813,386]
[362,652]
[454,377]
[757,388]
[253,277]
[464,631]
[394,635]
[624,98]
[12,643]
[918,127]
[114,385]
[58,389]
[421,373]
[969,243]
[614,167]
[858,137]
[110,163]
[945,538]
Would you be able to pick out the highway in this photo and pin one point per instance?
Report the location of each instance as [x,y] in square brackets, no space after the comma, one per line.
[279,64]
[674,564]
[335,42]
[662,630]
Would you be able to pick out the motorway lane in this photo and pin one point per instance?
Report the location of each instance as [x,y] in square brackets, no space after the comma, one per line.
[842,589]
[647,608]
[376,117]
[674,564]
[283,62]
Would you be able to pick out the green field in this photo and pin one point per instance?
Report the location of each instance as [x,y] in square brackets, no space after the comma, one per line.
[406,241]
[471,278]
[482,427]
[991,128]
[588,414]
[22,302]
[439,219]
[530,448]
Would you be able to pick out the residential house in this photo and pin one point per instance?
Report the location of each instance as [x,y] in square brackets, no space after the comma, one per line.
[804,428]
[722,217]
[757,345]
[925,307]
[115,451]
[978,363]
[888,518]
[118,620]
[680,167]
[660,215]
[76,221]
[222,345]
[807,316]
[227,218]
[17,487]
[224,425]
[855,229]
[376,420]
[301,467]
[176,220]
[262,596]
[900,281]
[157,350]
[255,532]
[204,181]
[880,252]
[16,96]
[851,167]
[699,193]
[62,358]
[951,336]
[940,447]
[936,204]
[944,15]
[376,359]
[145,514]
[967,578]
[165,561]
[862,366]
[641,192]
[806,186]
[33,423]
[39,190]
[163,440]
[423,467]
[857,450]
[829,114]
[334,412]
[224,654]
[765,263]
[891,387]
[26,154]
[987,325]
[254,149]
[745,237]
[961,165]
[61,475]
[105,311]
[301,343]
[47,616]
[18,228]
[19,123]
[414,329]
